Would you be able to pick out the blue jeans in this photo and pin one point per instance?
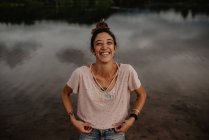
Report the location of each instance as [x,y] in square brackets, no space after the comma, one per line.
[107,134]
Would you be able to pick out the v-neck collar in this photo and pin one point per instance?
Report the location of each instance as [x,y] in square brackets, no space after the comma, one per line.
[96,83]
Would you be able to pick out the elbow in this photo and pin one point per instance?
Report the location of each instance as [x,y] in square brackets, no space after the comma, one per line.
[141,93]
[64,94]
[66,91]
[144,94]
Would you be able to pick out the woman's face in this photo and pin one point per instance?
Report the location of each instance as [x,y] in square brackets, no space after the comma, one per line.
[104,47]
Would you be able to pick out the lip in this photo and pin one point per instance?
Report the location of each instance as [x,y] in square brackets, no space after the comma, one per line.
[104,53]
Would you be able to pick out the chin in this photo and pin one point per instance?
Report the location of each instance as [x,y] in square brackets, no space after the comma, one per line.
[105,61]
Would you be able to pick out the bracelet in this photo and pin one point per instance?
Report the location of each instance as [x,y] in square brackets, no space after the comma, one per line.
[70,114]
[133,115]
[136,110]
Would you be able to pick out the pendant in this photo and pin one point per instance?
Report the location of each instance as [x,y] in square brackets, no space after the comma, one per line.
[108,96]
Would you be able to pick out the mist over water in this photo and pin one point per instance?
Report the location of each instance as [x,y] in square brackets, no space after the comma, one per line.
[169,52]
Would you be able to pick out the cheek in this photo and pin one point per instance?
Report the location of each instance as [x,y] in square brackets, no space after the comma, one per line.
[96,48]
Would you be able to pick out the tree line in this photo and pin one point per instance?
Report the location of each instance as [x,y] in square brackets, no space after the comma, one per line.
[90,11]
[62,3]
[101,3]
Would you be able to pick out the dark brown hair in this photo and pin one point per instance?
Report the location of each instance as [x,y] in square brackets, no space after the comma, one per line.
[101,27]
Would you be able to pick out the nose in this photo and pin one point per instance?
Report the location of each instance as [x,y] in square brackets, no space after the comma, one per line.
[104,46]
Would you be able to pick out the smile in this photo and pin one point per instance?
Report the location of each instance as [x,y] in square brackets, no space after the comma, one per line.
[104,53]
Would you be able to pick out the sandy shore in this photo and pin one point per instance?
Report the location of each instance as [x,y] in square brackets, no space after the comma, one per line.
[165,116]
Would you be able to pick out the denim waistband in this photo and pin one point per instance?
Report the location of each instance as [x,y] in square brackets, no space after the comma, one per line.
[98,134]
[101,131]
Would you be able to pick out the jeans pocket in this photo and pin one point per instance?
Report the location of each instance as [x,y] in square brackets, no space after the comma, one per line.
[93,135]
[113,135]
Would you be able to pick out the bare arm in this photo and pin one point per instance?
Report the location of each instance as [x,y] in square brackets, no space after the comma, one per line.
[65,95]
[140,100]
[80,125]
[138,105]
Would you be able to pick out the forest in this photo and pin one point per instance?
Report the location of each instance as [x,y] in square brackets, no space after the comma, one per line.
[102,3]
[88,11]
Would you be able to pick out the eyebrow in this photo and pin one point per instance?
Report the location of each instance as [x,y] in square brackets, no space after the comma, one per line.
[101,40]
[110,39]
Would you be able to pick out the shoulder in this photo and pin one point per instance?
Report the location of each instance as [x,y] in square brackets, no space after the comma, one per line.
[80,70]
[126,67]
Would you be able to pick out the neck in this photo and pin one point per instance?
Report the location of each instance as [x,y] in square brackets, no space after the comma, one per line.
[104,69]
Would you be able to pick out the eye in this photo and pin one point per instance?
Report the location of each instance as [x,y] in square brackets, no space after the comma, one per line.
[98,44]
[109,43]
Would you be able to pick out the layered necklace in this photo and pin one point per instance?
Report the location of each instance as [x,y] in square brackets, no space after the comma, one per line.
[105,91]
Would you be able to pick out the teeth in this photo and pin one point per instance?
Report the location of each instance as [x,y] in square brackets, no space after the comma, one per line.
[105,53]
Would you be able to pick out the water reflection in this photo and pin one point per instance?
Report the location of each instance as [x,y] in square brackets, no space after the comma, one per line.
[163,41]
[17,54]
[169,52]
[165,47]
[74,56]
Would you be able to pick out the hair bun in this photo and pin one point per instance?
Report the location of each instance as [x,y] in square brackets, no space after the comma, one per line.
[100,25]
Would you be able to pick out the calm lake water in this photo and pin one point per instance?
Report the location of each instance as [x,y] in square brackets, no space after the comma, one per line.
[169,52]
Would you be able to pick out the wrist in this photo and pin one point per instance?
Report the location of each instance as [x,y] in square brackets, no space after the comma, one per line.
[135,111]
[133,116]
[71,116]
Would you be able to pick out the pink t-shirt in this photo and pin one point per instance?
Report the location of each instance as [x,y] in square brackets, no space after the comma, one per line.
[97,107]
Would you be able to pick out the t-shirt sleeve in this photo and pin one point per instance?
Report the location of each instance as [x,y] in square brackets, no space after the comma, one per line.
[73,81]
[133,80]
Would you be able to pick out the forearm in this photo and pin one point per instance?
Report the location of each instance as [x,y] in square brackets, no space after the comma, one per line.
[81,126]
[135,111]
[67,103]
[140,101]
[65,95]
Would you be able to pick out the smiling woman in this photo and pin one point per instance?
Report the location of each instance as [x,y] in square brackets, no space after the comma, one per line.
[104,49]
[103,43]
[103,90]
